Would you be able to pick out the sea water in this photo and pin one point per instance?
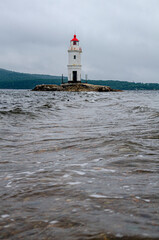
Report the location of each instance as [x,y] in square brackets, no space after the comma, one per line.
[79,165]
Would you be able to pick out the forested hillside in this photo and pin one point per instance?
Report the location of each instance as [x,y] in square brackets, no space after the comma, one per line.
[15,80]
[123,85]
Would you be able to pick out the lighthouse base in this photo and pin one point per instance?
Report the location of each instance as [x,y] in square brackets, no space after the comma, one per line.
[74,82]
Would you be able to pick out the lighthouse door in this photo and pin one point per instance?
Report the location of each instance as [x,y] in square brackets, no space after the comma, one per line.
[74,76]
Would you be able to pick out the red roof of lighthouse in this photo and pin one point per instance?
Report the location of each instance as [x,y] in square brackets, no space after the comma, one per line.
[74,39]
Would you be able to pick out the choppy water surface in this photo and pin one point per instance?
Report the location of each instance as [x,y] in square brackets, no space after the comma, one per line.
[79,165]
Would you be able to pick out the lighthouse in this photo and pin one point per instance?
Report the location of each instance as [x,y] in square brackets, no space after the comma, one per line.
[74,61]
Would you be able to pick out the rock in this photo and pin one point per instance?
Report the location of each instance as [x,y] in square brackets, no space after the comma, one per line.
[48,87]
[74,87]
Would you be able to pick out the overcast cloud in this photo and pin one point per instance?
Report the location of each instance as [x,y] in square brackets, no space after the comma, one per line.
[119,38]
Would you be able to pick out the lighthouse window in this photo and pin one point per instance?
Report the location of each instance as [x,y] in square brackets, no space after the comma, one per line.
[74,42]
[74,56]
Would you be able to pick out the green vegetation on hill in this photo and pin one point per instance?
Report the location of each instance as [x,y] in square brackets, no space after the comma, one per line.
[15,80]
[123,85]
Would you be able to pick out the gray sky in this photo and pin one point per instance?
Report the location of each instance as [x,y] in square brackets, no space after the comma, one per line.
[119,38]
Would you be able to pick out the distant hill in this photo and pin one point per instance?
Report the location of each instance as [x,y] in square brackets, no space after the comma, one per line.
[124,85]
[16,80]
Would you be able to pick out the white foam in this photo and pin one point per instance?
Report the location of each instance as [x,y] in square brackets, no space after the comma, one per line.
[103,196]
[9,185]
[117,197]
[26,173]
[79,165]
[54,222]
[108,210]
[80,173]
[108,170]
[41,170]
[4,216]
[137,197]
[97,160]
[74,210]
[90,182]
[83,164]
[6,226]
[74,183]
[66,176]
[98,196]
[147,200]
[102,170]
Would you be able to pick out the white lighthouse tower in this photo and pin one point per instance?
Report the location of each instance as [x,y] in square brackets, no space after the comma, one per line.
[74,61]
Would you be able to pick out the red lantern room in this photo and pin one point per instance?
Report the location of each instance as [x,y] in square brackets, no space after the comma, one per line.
[75,40]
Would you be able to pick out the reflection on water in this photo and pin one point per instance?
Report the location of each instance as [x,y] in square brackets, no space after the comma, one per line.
[79,165]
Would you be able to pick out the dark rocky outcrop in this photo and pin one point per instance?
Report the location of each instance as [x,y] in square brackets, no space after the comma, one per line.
[74,87]
[48,87]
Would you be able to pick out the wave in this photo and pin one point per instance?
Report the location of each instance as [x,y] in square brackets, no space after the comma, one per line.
[16,111]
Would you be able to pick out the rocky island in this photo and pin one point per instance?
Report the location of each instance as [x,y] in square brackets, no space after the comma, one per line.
[74,87]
